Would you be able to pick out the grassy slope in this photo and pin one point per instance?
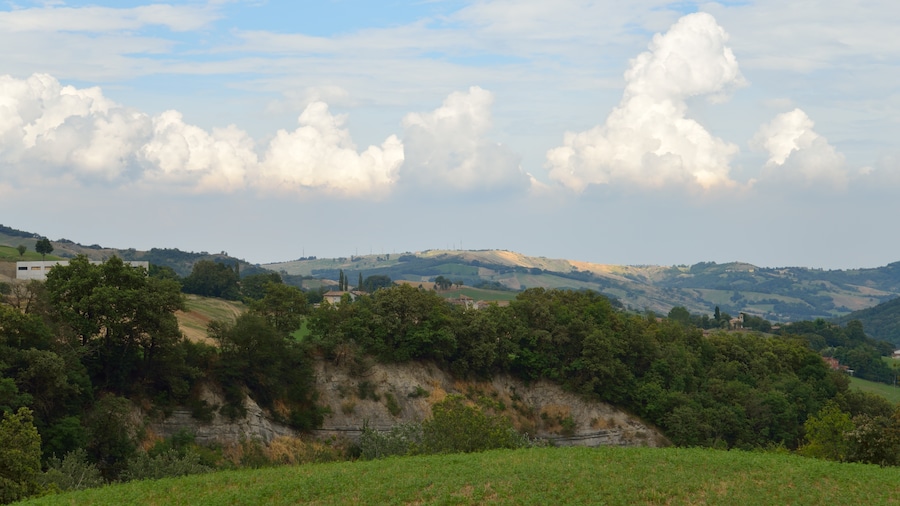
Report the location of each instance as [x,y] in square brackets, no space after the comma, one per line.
[537,476]
[201,311]
[889,392]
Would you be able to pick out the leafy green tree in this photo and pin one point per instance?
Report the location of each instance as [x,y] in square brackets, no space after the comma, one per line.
[680,314]
[123,320]
[282,306]
[253,287]
[826,434]
[442,283]
[21,249]
[43,247]
[257,356]
[113,436]
[213,279]
[20,456]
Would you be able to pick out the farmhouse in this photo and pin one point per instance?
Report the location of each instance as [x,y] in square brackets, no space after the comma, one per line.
[334,297]
[38,269]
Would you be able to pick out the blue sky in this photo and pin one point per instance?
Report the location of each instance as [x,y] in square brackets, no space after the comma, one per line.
[652,132]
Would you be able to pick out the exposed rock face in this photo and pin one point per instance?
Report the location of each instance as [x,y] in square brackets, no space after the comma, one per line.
[255,425]
[386,395]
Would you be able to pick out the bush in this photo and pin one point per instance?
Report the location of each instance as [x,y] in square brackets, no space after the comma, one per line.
[403,439]
[456,427]
[73,472]
[168,464]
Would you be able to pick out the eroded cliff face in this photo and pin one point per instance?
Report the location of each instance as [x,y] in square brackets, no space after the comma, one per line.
[384,395]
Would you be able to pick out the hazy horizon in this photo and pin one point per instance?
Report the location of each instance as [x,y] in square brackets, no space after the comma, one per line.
[650,133]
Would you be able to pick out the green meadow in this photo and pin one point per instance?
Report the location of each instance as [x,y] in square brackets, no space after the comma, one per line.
[612,476]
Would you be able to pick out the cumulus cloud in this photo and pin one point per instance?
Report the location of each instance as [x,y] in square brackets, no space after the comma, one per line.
[448,146]
[187,154]
[48,130]
[648,140]
[797,153]
[320,154]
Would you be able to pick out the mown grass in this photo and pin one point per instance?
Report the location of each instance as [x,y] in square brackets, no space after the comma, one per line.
[612,476]
[889,392]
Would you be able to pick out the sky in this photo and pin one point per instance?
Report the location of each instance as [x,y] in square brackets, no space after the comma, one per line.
[641,133]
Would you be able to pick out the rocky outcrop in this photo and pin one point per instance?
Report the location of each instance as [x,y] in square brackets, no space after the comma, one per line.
[221,430]
[385,395]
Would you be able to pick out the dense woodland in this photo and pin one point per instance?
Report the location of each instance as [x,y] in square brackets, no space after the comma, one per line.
[80,350]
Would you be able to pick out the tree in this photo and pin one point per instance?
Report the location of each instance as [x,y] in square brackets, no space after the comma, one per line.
[213,279]
[283,306]
[681,315]
[253,287]
[442,283]
[21,249]
[375,282]
[124,320]
[826,434]
[43,247]
[359,285]
[20,456]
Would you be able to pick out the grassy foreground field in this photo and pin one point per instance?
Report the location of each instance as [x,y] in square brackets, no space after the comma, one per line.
[536,476]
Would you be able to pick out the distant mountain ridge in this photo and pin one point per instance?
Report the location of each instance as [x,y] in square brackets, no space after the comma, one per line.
[777,294]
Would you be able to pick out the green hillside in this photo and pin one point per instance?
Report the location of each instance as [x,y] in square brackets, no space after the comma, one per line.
[538,476]
[780,294]
[881,322]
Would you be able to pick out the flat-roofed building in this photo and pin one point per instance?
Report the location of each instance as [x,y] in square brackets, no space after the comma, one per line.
[38,269]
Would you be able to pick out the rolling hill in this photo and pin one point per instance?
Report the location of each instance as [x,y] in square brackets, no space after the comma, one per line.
[779,294]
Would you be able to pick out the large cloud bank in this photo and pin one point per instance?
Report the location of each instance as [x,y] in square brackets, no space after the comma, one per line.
[48,130]
[648,140]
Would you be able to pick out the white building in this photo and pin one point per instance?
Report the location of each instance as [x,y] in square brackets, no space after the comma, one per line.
[38,269]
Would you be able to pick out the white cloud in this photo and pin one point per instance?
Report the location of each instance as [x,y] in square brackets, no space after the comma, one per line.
[320,155]
[48,130]
[648,140]
[798,154]
[188,155]
[448,147]
[104,19]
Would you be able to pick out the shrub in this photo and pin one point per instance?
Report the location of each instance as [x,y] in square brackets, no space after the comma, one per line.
[456,427]
[392,405]
[171,463]
[402,439]
[73,472]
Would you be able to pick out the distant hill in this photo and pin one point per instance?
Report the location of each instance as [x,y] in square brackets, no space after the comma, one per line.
[880,322]
[180,261]
[779,294]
